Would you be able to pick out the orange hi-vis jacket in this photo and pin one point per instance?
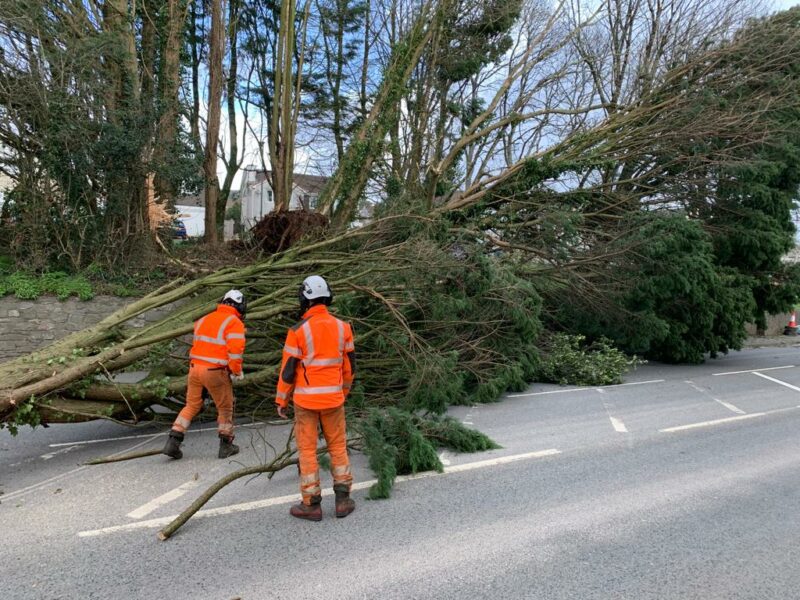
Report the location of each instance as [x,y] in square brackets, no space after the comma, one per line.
[318,362]
[219,340]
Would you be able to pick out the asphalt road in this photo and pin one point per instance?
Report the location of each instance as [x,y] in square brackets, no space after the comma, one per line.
[683,483]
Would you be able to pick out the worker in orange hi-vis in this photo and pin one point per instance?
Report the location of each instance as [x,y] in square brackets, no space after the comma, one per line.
[215,362]
[317,373]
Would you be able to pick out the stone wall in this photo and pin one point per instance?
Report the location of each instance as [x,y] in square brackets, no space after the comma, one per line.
[26,325]
[775,325]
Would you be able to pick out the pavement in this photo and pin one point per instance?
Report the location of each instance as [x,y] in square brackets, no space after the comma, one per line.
[772,341]
[684,482]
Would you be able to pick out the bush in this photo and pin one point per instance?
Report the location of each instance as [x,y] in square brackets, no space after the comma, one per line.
[568,360]
[26,286]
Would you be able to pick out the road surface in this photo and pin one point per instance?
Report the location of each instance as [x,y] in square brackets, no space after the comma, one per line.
[682,483]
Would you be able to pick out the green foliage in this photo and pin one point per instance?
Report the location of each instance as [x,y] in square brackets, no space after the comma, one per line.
[569,360]
[464,330]
[454,435]
[133,281]
[84,125]
[6,264]
[234,212]
[26,286]
[474,35]
[673,303]
[745,199]
[26,413]
[158,386]
[399,443]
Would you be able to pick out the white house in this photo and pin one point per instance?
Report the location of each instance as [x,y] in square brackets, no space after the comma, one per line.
[6,184]
[258,200]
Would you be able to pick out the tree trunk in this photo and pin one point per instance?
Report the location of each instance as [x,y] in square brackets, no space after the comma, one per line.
[281,122]
[216,50]
[341,194]
[234,162]
[169,81]
[196,52]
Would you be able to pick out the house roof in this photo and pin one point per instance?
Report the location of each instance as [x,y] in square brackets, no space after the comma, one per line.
[311,184]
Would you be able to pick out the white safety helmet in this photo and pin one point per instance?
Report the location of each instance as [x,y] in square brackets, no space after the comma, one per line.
[314,288]
[235,298]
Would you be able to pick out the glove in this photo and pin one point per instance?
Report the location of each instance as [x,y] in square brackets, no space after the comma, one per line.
[239,377]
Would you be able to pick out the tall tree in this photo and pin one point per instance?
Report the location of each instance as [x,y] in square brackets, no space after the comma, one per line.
[215,81]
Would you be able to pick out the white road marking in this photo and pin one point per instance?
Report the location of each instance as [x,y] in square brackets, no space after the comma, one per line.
[753,370]
[256,504]
[548,392]
[143,435]
[618,425]
[50,455]
[163,499]
[729,419]
[100,441]
[582,389]
[467,422]
[31,488]
[778,381]
[727,405]
[731,407]
[711,423]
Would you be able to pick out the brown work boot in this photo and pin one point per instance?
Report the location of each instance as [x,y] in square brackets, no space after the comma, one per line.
[344,503]
[310,512]
[227,447]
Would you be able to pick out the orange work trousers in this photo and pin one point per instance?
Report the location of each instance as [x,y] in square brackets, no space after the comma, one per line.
[306,431]
[218,383]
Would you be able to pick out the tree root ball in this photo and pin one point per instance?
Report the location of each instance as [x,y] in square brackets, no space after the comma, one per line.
[279,231]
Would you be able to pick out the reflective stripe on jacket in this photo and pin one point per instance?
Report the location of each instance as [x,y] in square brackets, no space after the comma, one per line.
[219,339]
[317,368]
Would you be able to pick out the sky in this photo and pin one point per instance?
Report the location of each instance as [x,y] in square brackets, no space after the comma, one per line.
[784,4]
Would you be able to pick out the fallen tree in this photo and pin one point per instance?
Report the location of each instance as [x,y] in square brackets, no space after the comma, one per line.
[445,300]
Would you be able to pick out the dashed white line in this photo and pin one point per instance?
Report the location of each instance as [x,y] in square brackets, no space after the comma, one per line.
[730,407]
[618,425]
[778,381]
[163,499]
[711,423]
[101,440]
[142,435]
[753,370]
[247,506]
[727,405]
[50,455]
[582,389]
